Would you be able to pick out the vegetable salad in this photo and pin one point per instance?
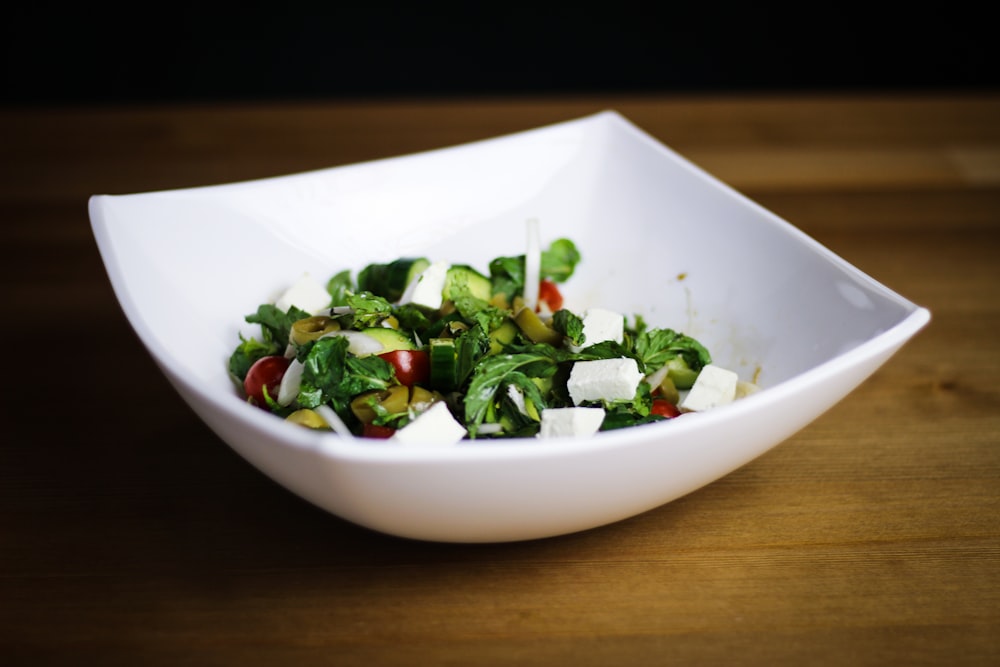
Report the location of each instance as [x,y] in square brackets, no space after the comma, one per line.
[431,352]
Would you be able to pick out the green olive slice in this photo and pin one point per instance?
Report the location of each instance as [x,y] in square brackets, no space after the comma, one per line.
[312,328]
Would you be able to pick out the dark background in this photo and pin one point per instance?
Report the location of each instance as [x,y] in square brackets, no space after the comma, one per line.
[257,51]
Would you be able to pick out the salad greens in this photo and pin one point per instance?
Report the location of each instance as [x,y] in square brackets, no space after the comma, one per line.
[380,349]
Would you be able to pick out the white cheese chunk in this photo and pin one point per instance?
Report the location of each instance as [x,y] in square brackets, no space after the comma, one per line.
[600,325]
[427,288]
[715,386]
[604,380]
[435,426]
[568,422]
[307,294]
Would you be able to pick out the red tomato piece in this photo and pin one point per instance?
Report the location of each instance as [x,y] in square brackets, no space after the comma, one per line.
[549,293]
[265,372]
[412,366]
[664,408]
[376,431]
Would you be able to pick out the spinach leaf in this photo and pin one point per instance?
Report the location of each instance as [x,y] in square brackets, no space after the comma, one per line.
[508,411]
[331,375]
[276,324]
[606,349]
[569,325]
[657,347]
[369,309]
[494,373]
[246,353]
[366,373]
[621,417]
[476,311]
[560,260]
[558,263]
[507,276]
[620,414]
[470,348]
[339,287]
[412,318]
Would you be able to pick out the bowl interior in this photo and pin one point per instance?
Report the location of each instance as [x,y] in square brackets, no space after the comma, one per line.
[658,236]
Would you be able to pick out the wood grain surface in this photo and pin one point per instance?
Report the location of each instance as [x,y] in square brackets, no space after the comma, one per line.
[131,535]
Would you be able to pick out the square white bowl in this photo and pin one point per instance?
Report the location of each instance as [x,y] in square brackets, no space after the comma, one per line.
[658,236]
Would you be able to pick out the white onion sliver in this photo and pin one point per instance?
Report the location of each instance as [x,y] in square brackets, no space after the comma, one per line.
[333,419]
[654,379]
[290,383]
[517,398]
[532,265]
[358,343]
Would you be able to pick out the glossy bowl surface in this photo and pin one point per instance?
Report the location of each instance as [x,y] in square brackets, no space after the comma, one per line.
[658,236]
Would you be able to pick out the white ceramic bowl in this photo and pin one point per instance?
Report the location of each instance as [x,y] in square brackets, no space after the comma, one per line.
[658,236]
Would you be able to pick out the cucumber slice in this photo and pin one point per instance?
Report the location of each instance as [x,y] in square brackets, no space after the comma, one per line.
[462,279]
[502,336]
[390,280]
[391,339]
[682,375]
[443,362]
[532,326]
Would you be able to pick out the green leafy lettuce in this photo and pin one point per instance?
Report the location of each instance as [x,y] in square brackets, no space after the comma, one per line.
[331,375]
[558,263]
[683,356]
[275,326]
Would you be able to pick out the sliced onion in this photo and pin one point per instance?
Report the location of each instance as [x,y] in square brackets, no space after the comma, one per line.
[358,343]
[290,382]
[532,265]
[517,398]
[656,378]
[334,421]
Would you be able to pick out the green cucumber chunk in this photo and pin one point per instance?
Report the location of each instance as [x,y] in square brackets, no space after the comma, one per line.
[443,362]
[390,280]
[391,339]
[462,279]
[502,336]
[682,375]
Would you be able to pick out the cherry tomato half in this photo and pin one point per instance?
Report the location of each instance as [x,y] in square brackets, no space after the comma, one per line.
[375,431]
[664,408]
[412,366]
[549,293]
[265,372]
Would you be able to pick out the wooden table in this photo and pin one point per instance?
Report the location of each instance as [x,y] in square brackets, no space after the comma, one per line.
[131,535]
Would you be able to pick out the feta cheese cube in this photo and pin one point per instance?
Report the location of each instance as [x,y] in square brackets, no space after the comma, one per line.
[715,386]
[427,288]
[307,294]
[600,325]
[565,422]
[604,380]
[435,426]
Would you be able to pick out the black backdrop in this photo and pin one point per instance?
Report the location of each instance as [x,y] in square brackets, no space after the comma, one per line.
[212,52]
